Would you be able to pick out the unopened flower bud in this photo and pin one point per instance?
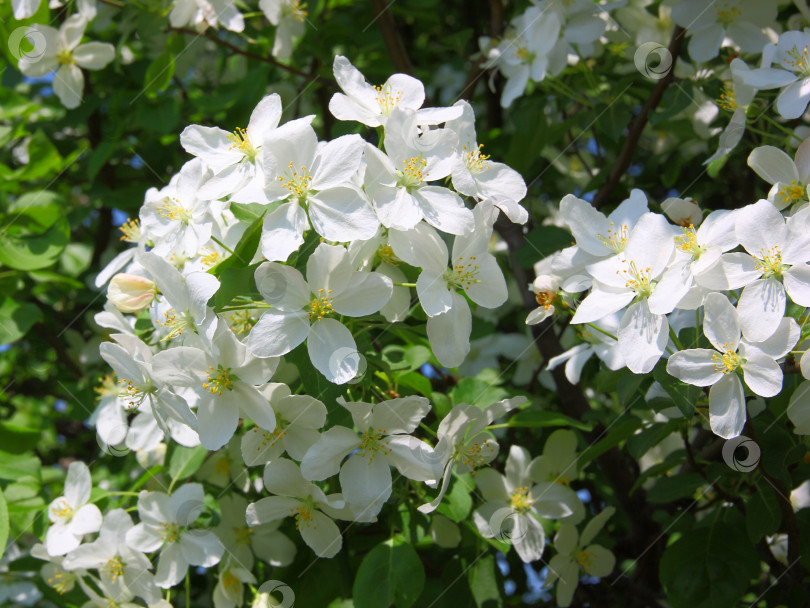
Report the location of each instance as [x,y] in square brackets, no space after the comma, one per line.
[131,293]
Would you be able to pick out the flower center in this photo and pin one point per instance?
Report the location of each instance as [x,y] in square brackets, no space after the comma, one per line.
[728,361]
[219,379]
[728,100]
[176,323]
[412,176]
[62,581]
[688,242]
[222,466]
[372,442]
[387,256]
[303,514]
[63,510]
[585,559]
[475,159]
[170,533]
[243,534]
[726,13]
[793,193]
[295,9]
[463,275]
[297,182]
[522,499]
[131,230]
[770,262]
[797,61]
[638,280]
[616,239]
[173,211]
[230,583]
[240,141]
[320,305]
[65,57]
[113,568]
[523,53]
[545,298]
[212,258]
[475,454]
[387,99]
[242,322]
[134,395]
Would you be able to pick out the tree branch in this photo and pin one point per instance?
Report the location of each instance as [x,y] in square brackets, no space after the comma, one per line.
[263,59]
[636,127]
[390,33]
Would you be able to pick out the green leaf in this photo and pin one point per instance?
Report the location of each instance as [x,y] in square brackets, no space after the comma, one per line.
[24,246]
[618,432]
[708,567]
[684,396]
[415,381]
[640,443]
[16,318]
[762,515]
[159,73]
[457,503]
[247,212]
[185,461]
[476,392]
[45,159]
[484,583]
[20,468]
[391,574]
[682,485]
[244,251]
[17,439]
[3,523]
[544,418]
[541,242]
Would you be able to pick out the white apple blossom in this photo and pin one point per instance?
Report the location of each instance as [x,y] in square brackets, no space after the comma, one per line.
[298,420]
[371,105]
[790,178]
[791,74]
[709,27]
[737,98]
[201,14]
[316,182]
[288,16]
[72,515]
[384,441]
[166,525]
[304,310]
[63,52]
[123,570]
[576,554]
[513,505]
[596,342]
[779,250]
[303,500]
[720,368]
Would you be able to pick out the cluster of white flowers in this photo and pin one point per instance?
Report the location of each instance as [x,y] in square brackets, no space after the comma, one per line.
[60,51]
[542,41]
[324,234]
[648,279]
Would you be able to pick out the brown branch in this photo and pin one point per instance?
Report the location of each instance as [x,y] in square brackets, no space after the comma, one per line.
[636,127]
[390,33]
[268,60]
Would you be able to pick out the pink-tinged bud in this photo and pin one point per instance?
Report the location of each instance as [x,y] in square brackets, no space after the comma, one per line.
[130,292]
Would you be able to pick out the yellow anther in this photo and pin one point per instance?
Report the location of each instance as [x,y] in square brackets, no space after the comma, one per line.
[219,380]
[521,500]
[131,230]
[387,99]
[240,141]
[616,239]
[728,361]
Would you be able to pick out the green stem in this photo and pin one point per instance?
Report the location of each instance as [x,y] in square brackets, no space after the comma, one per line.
[675,340]
[221,244]
[188,589]
[599,329]
[405,284]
